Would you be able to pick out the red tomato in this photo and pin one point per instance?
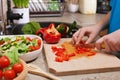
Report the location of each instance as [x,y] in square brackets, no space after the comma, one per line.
[4,62]
[28,38]
[1,74]
[18,67]
[37,47]
[9,74]
[39,42]
[32,48]
[2,42]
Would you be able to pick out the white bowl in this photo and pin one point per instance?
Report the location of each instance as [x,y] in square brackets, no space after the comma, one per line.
[30,55]
[34,54]
[73,7]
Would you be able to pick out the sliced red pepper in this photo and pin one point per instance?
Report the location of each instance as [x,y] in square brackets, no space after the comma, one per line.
[91,53]
[54,48]
[71,54]
[61,55]
[65,57]
[58,59]
[51,35]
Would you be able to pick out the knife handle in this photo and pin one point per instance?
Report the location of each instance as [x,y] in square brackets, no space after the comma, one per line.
[117,54]
[103,46]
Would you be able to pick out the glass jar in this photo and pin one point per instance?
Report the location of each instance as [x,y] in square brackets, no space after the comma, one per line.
[88,6]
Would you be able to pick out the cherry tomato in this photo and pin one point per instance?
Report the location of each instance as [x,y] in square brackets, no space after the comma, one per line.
[4,62]
[1,74]
[32,48]
[9,74]
[18,67]
[28,39]
[37,47]
[2,42]
[39,42]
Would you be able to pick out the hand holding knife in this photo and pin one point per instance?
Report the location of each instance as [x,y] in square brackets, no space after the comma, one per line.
[92,45]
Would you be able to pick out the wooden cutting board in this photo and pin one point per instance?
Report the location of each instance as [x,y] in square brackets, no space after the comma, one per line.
[101,62]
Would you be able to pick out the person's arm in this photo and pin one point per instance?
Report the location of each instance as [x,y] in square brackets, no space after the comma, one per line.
[102,23]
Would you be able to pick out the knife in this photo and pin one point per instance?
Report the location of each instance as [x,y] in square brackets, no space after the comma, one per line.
[92,45]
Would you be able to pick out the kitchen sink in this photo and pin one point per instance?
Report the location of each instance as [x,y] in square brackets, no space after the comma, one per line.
[16,30]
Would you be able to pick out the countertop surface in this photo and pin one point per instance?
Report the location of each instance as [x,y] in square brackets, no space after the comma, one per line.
[82,20]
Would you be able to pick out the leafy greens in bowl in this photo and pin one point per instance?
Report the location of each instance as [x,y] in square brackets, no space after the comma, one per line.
[28,47]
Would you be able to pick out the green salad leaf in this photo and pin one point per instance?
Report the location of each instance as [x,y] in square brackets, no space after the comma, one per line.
[12,54]
[31,28]
[72,26]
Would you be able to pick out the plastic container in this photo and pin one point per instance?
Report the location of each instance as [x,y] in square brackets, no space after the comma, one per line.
[88,6]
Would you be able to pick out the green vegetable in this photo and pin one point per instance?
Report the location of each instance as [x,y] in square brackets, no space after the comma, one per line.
[31,28]
[53,5]
[21,3]
[62,28]
[16,46]
[72,26]
[12,54]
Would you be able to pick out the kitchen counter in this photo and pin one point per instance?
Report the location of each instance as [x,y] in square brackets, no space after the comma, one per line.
[82,20]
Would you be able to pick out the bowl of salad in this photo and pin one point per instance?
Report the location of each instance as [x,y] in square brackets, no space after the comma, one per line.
[12,67]
[28,47]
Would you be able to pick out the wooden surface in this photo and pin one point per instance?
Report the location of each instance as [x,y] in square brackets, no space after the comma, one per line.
[101,62]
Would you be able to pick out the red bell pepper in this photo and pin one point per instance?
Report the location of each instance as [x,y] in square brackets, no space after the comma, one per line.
[51,35]
[41,31]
